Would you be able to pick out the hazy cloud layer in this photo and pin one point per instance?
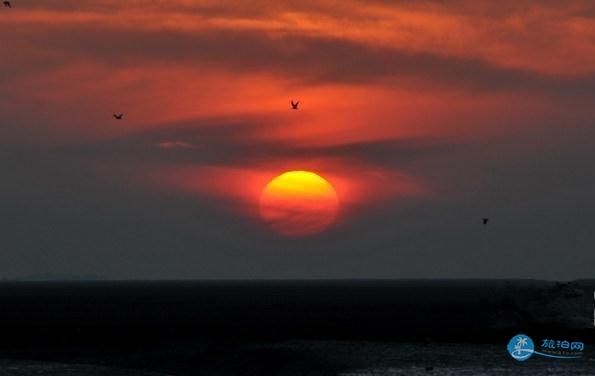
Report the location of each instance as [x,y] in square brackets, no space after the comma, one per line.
[425,115]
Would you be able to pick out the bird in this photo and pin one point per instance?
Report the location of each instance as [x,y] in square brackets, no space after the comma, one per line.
[118,116]
[485,220]
[7,4]
[294,105]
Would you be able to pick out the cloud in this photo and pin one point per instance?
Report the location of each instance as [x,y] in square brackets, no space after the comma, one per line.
[174,144]
[209,141]
[318,54]
[425,115]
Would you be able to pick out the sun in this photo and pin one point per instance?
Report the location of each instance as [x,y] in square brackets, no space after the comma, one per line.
[299,203]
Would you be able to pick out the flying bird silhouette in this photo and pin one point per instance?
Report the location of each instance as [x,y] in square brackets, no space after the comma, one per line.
[294,105]
[7,4]
[118,116]
[485,220]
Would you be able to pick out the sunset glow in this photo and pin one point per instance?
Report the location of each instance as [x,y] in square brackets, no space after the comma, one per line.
[415,119]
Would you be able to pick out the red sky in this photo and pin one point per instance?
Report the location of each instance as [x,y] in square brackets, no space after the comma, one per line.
[402,102]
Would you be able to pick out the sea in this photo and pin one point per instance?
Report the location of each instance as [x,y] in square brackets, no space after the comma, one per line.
[340,358]
[347,327]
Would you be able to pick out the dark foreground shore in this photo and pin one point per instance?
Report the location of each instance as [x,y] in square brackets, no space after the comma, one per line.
[287,327]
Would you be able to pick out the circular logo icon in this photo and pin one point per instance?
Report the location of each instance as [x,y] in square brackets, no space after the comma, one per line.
[521,347]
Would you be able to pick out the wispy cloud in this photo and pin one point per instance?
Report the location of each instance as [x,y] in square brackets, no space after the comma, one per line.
[173,144]
[451,108]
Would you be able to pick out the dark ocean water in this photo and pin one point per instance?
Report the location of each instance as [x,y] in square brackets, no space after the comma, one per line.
[289,327]
[336,358]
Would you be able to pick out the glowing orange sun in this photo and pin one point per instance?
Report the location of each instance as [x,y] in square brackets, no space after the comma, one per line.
[298,203]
